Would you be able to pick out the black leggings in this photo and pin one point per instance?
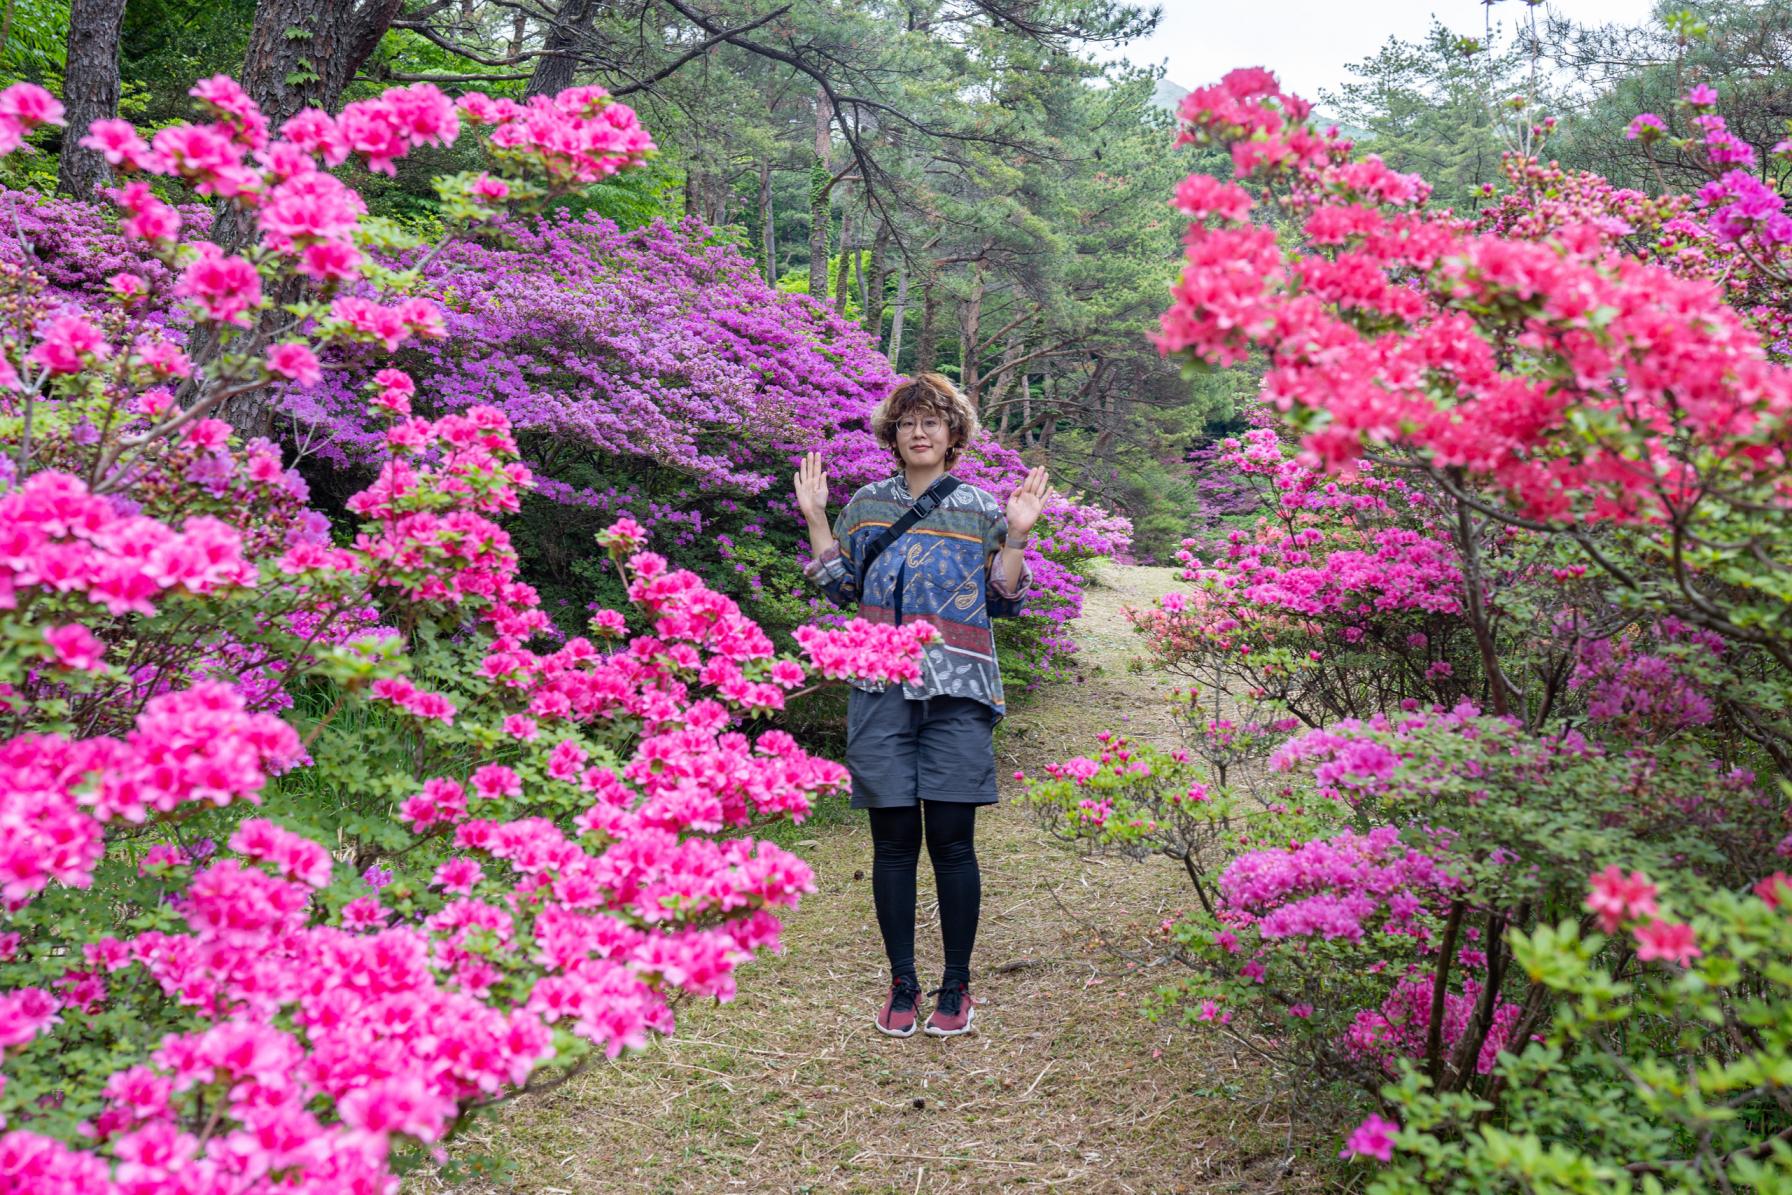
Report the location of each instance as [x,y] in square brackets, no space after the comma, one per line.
[896,849]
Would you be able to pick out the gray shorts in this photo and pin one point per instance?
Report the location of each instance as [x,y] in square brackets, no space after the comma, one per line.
[900,751]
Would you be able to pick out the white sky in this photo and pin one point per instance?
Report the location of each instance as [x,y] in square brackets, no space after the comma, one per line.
[1310,43]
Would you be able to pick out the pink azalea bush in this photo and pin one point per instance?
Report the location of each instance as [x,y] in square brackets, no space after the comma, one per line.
[471,856]
[1335,571]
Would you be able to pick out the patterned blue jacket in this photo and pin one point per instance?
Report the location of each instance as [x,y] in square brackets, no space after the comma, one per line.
[943,571]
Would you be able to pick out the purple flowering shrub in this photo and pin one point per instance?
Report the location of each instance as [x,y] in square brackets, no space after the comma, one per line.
[1225,499]
[653,374]
[76,246]
[1072,532]
[1635,689]
[649,373]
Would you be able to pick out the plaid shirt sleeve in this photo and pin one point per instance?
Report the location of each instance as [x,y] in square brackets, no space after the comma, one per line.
[834,569]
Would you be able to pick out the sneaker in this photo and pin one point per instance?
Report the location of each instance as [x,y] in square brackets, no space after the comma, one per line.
[898,1016]
[952,1012]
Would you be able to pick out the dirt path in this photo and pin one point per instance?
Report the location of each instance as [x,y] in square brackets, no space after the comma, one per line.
[1065,1085]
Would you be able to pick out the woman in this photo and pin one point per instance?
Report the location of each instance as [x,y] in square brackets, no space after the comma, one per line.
[921,755]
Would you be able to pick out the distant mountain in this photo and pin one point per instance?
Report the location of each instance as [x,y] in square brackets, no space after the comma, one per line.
[1169,95]
[1321,121]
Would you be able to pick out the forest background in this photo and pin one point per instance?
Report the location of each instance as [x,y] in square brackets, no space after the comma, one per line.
[979,187]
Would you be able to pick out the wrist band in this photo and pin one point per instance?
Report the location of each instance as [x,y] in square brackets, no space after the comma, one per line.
[1008,542]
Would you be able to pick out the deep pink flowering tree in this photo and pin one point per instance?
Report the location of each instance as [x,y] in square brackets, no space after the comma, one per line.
[472,859]
[1529,366]
[1516,581]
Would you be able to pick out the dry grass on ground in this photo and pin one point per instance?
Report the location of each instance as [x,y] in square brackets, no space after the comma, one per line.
[1065,1085]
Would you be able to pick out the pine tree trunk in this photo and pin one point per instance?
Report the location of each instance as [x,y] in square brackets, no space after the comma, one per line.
[819,176]
[302,54]
[571,29]
[89,91]
[899,313]
[924,352]
[871,289]
[768,232]
[996,401]
[970,314]
[718,200]
[848,257]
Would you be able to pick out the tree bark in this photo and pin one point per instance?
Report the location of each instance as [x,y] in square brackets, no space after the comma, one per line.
[572,27]
[719,195]
[848,257]
[872,298]
[996,404]
[970,314]
[768,232]
[898,313]
[302,53]
[819,176]
[924,352]
[89,91]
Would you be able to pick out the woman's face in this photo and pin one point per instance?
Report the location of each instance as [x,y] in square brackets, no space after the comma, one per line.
[922,437]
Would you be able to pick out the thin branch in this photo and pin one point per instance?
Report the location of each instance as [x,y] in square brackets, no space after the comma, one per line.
[405,77]
[702,46]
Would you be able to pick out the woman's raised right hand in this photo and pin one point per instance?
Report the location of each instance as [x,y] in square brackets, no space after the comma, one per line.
[812,488]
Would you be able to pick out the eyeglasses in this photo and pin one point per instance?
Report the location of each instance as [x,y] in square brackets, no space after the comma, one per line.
[930,424]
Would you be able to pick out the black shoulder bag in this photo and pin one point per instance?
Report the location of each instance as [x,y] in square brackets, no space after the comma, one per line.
[925,505]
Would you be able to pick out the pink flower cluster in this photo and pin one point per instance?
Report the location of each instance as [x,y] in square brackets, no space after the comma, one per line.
[1616,899]
[874,652]
[58,538]
[57,794]
[577,137]
[1355,758]
[1386,321]
[705,660]
[1401,1027]
[1339,887]
[23,108]
[1335,563]
[1374,1138]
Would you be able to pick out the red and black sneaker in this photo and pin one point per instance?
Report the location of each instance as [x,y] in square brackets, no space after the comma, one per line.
[897,1019]
[952,1012]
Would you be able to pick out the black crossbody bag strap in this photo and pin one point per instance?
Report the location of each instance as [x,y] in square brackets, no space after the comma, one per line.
[925,505]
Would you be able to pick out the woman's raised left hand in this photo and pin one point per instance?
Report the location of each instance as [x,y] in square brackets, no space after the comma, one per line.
[1027,500]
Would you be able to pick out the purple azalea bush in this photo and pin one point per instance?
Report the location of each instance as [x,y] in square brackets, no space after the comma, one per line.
[1225,500]
[650,373]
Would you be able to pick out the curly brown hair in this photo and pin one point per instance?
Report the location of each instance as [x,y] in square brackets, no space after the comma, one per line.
[928,392]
